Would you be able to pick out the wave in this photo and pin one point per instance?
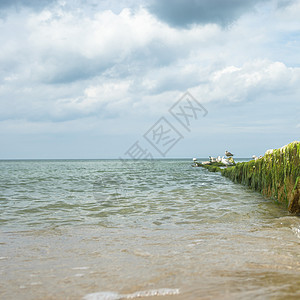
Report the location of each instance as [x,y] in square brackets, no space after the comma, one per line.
[139,294]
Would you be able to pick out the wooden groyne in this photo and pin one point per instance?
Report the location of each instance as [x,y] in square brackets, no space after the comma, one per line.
[276,175]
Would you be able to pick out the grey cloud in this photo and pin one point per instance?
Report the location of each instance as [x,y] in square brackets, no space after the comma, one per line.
[66,67]
[284,3]
[181,13]
[71,69]
[86,6]
[35,4]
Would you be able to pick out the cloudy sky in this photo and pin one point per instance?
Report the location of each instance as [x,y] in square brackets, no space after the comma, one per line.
[88,78]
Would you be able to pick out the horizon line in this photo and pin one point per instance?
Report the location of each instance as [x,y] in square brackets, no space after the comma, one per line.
[132,159]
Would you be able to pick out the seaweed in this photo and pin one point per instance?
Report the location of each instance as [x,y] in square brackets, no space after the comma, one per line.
[276,175]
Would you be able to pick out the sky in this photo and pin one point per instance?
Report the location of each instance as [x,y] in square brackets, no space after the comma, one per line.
[107,79]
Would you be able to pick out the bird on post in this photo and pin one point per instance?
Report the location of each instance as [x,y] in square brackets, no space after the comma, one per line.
[227,153]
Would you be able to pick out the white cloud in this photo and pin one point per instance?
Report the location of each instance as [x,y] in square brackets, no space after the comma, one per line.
[67,64]
[251,81]
[60,46]
[110,96]
[52,65]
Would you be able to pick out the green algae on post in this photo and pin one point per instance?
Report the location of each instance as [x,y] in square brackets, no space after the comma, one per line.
[276,175]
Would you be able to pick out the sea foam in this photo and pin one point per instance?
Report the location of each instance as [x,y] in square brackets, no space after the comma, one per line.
[139,294]
[296,231]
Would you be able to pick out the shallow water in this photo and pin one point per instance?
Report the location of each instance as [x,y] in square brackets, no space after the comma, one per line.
[107,230]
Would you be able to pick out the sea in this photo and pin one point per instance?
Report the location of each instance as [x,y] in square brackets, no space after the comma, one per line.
[161,229]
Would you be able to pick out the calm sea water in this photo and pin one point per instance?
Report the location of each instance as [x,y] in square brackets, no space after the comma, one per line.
[97,229]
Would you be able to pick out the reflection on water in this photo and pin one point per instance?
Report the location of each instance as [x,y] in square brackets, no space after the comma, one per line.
[74,229]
